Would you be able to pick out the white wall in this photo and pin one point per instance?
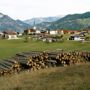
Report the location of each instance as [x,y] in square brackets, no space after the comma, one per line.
[53,32]
[78,38]
[12,36]
[37,31]
[62,32]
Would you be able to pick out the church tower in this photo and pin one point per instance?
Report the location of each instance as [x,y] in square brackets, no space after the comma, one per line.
[34,27]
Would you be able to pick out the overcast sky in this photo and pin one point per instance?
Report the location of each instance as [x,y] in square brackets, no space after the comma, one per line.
[26,9]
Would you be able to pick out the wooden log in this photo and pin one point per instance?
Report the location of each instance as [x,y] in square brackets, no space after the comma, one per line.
[6,66]
[20,55]
[9,63]
[9,60]
[53,63]
[2,67]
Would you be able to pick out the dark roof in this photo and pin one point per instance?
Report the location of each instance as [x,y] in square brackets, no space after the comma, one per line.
[10,32]
[77,35]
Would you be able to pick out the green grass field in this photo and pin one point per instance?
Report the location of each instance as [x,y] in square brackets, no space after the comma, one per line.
[75,77]
[9,48]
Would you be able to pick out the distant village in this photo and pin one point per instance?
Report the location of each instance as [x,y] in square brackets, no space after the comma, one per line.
[46,35]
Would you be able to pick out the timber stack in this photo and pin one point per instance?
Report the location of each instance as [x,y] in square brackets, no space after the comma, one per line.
[8,66]
[35,60]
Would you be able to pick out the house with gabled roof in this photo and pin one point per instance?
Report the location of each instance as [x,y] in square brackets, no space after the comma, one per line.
[10,34]
[77,37]
[30,31]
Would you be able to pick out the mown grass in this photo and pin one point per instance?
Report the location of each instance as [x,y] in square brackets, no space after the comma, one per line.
[75,77]
[9,48]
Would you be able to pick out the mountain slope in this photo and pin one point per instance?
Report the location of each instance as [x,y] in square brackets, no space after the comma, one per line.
[69,22]
[73,22]
[7,23]
[22,24]
[40,20]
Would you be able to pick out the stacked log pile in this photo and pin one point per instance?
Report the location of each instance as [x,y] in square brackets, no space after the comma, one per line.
[8,66]
[36,60]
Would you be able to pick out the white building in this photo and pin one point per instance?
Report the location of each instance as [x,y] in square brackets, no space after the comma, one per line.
[62,32]
[38,31]
[1,34]
[76,38]
[10,34]
[53,32]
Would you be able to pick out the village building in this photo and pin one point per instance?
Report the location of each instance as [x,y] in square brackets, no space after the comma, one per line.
[53,32]
[1,34]
[10,35]
[71,31]
[77,37]
[41,31]
[61,32]
[30,31]
[38,32]
[87,30]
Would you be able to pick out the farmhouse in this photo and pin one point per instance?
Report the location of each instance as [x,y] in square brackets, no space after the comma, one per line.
[76,37]
[10,35]
[71,31]
[30,31]
[1,34]
[52,32]
[61,31]
[38,31]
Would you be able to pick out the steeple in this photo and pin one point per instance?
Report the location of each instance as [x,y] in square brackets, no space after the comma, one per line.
[34,25]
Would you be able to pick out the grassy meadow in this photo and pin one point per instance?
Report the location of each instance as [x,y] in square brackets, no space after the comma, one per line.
[9,48]
[75,77]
